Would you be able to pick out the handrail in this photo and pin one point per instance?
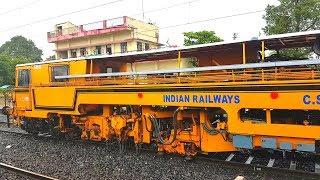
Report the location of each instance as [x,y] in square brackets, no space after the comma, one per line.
[222,77]
[201,69]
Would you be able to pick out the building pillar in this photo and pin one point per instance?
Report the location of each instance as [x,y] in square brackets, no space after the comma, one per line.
[69,53]
[78,52]
[89,47]
[57,55]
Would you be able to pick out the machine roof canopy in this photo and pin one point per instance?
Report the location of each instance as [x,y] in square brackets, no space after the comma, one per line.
[273,42]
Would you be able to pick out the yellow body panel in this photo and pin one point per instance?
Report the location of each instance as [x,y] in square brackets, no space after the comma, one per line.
[54,97]
[231,102]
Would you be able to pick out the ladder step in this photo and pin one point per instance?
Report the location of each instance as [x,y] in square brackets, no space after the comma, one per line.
[271,162]
[230,157]
[249,160]
[293,165]
[317,168]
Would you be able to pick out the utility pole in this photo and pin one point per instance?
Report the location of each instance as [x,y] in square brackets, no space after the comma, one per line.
[142,10]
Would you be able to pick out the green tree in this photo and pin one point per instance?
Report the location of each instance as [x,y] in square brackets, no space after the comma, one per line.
[293,16]
[53,57]
[201,37]
[7,68]
[21,47]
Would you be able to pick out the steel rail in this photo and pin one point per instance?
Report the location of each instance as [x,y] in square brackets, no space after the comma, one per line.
[200,69]
[25,173]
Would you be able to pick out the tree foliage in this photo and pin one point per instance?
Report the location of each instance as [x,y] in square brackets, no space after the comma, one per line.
[7,68]
[18,50]
[293,16]
[21,47]
[201,37]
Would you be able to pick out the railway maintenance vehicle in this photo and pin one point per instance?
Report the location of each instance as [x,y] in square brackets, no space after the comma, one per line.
[220,97]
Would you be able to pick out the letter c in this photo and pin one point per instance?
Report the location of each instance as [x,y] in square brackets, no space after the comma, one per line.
[306,99]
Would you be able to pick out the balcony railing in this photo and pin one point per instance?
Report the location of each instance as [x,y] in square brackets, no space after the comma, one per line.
[99,27]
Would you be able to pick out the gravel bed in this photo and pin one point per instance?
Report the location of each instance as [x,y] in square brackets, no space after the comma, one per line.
[74,160]
[261,158]
[240,157]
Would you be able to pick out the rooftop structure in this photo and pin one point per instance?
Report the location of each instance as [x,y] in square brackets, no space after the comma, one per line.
[118,35]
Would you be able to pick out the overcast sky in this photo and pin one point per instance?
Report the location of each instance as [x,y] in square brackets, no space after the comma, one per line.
[15,13]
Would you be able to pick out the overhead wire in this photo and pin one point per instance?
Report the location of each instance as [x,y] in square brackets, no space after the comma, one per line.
[150,11]
[205,20]
[155,10]
[212,19]
[165,8]
[61,15]
[20,7]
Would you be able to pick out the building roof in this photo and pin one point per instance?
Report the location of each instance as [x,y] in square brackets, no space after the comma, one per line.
[273,42]
[5,86]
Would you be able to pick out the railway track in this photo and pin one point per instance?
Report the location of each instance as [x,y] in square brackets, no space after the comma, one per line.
[228,160]
[25,173]
[266,170]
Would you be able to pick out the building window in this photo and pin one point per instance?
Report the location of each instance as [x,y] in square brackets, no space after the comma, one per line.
[73,53]
[124,48]
[108,49]
[24,78]
[59,71]
[147,46]
[62,55]
[83,52]
[98,50]
[139,46]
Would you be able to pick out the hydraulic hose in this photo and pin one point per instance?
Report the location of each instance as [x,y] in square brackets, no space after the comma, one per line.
[210,131]
[145,119]
[213,131]
[157,128]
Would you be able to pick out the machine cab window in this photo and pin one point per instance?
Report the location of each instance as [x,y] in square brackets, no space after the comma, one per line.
[59,71]
[24,78]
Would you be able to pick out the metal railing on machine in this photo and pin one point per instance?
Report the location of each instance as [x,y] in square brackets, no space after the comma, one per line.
[262,72]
